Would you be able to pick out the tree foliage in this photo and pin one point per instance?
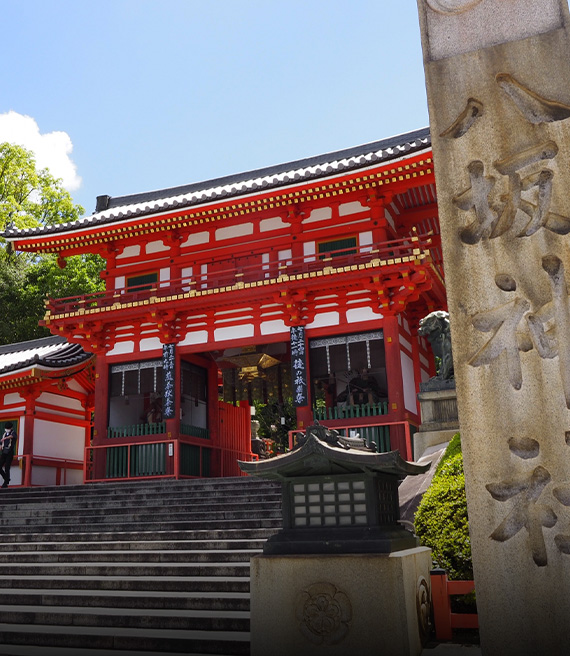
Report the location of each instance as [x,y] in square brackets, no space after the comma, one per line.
[30,198]
[441,521]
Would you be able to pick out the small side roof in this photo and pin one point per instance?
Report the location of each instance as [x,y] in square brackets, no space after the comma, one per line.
[53,352]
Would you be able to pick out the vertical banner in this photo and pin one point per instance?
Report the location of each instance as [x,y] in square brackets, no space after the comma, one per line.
[299,366]
[169,372]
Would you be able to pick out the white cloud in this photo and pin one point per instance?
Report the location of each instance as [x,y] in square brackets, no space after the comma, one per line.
[51,150]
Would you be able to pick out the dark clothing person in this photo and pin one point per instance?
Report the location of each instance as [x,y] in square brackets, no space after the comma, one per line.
[7,448]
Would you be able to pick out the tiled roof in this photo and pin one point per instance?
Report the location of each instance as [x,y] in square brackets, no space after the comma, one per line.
[53,352]
[111,209]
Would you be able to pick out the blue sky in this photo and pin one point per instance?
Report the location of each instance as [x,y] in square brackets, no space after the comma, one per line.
[146,94]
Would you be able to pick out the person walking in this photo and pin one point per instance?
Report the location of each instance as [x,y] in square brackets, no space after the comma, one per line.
[7,447]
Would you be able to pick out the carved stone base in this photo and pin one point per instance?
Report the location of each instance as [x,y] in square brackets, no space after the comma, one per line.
[365,604]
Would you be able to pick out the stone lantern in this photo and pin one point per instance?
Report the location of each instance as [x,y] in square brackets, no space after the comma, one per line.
[342,573]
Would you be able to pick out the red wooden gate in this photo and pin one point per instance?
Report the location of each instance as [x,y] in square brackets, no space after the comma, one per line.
[234,431]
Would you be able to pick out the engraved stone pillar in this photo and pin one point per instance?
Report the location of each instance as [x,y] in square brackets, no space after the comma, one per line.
[498,81]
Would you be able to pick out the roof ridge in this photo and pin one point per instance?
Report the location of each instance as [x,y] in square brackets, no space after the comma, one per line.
[32,344]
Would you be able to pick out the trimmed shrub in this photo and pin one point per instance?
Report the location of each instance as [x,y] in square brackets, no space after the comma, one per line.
[441,521]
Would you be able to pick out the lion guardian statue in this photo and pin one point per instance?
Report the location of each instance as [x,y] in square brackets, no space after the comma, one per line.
[435,326]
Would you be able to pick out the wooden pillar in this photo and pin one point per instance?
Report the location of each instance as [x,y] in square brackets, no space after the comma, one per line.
[30,395]
[417,366]
[396,407]
[101,414]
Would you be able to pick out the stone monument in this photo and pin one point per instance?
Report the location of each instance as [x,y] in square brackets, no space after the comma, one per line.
[498,83]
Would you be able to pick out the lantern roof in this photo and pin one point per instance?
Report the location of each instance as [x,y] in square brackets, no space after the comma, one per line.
[318,458]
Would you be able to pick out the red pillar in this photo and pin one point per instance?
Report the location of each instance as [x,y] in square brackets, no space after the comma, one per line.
[417,368]
[28,436]
[101,414]
[396,407]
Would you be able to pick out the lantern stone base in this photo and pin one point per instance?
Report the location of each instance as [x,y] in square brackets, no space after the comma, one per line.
[336,605]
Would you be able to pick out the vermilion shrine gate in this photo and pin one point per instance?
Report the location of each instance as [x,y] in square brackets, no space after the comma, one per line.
[206,284]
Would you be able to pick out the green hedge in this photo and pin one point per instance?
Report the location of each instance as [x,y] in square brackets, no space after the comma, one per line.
[441,521]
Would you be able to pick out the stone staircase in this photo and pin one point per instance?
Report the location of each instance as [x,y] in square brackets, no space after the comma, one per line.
[151,567]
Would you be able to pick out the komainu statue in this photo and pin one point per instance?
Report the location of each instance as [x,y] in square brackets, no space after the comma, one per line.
[435,326]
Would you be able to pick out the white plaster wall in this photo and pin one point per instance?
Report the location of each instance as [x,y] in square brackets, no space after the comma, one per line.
[20,442]
[12,398]
[234,231]
[75,386]
[405,343]
[390,220]
[273,327]
[127,346]
[350,208]
[120,282]
[43,475]
[56,440]
[15,475]
[365,238]
[130,251]
[197,238]
[196,337]
[165,275]
[410,400]
[362,314]
[325,319]
[150,343]
[61,401]
[274,223]
[156,247]
[285,255]
[234,332]
[320,214]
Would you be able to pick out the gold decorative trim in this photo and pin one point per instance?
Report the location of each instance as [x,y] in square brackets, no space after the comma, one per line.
[327,271]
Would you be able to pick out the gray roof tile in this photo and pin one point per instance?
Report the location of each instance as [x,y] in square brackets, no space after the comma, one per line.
[162,200]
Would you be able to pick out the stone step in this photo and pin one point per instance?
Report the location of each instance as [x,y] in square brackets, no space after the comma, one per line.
[154,599]
[232,499]
[197,525]
[187,501]
[146,618]
[112,568]
[30,538]
[154,567]
[128,639]
[34,650]
[255,544]
[164,583]
[216,487]
[138,513]
[133,556]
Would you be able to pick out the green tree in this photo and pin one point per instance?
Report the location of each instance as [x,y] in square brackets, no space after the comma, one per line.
[30,198]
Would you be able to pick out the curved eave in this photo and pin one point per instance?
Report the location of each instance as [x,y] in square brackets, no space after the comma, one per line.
[317,458]
[201,208]
[31,373]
